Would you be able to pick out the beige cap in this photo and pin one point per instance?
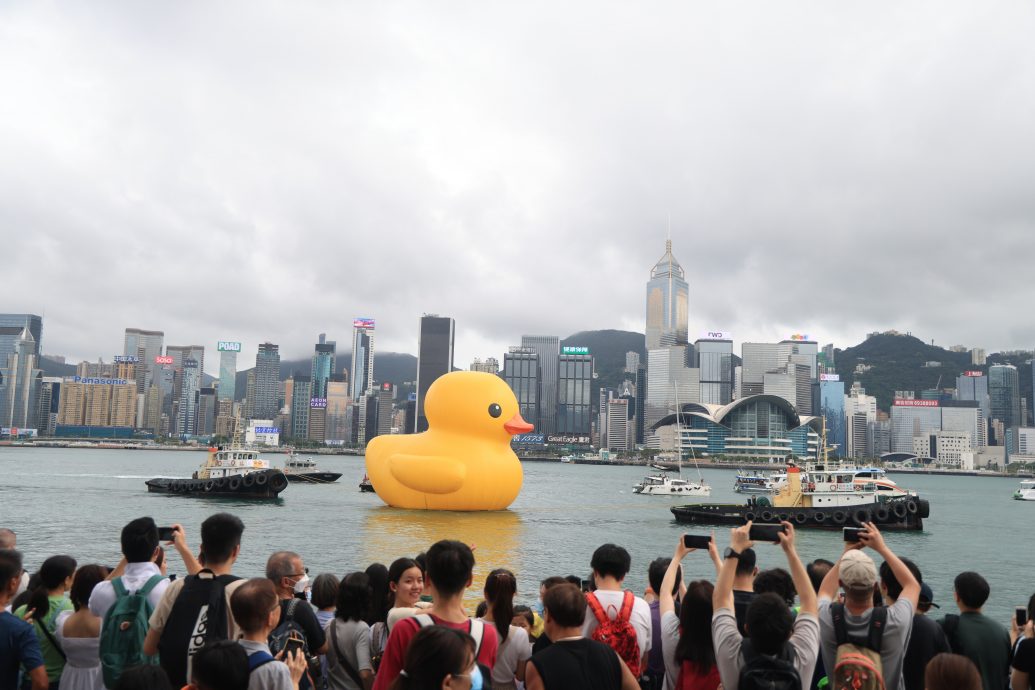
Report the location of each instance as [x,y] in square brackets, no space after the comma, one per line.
[858,571]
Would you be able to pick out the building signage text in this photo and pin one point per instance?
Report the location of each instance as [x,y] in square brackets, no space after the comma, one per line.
[362,323]
[916,403]
[126,359]
[267,430]
[97,381]
[163,359]
[228,346]
[318,403]
[973,373]
[567,439]
[574,350]
[716,335]
[829,377]
[801,337]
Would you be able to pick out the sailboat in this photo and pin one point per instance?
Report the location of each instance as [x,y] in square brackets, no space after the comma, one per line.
[667,485]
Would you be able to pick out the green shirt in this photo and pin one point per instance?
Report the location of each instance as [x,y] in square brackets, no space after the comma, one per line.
[986,643]
[52,659]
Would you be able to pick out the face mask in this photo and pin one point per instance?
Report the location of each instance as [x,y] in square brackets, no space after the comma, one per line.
[476,678]
[302,585]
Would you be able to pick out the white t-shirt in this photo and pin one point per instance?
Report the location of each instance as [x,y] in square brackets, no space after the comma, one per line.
[611,602]
[727,640]
[136,576]
[517,649]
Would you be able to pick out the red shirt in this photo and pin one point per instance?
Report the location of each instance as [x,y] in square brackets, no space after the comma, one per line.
[403,632]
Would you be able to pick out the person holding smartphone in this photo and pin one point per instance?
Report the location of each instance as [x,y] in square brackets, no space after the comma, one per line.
[1022,639]
[255,606]
[789,644]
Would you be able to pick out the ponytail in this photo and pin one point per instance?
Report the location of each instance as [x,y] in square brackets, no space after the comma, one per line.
[53,573]
[500,588]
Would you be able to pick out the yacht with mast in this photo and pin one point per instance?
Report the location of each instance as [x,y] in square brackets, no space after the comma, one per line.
[664,484]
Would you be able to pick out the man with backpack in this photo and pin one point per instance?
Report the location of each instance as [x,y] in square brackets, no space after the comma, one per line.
[196,609]
[863,646]
[780,649]
[976,636]
[256,608]
[617,617]
[449,569]
[573,662]
[298,621]
[125,603]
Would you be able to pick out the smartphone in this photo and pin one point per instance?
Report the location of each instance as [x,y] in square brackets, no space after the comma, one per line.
[293,646]
[852,533]
[696,541]
[587,585]
[764,533]
[166,533]
[1021,614]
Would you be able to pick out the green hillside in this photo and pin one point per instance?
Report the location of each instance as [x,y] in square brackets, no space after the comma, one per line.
[897,363]
[608,348]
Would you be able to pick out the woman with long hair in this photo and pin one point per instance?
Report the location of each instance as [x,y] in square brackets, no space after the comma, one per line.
[349,666]
[439,658]
[79,633]
[686,639]
[46,602]
[515,649]
[405,583]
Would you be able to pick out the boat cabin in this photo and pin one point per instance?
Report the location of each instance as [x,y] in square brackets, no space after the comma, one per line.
[231,462]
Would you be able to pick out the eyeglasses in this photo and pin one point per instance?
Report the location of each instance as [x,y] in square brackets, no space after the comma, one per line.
[305,571]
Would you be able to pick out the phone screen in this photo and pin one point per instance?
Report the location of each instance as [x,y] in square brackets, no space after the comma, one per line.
[764,533]
[166,533]
[293,645]
[851,534]
[1022,616]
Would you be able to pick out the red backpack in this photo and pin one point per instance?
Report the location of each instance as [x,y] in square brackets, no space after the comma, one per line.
[618,634]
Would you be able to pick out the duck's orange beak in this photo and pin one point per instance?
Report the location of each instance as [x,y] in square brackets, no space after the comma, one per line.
[517,425]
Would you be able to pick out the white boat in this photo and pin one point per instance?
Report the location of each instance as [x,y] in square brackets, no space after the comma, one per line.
[758,483]
[879,478]
[667,485]
[1026,492]
[568,458]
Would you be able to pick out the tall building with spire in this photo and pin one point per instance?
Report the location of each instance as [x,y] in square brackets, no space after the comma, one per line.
[362,371]
[20,383]
[668,303]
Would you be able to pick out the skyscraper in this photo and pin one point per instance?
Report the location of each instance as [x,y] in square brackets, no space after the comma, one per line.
[145,346]
[973,385]
[832,408]
[267,382]
[548,347]
[669,380]
[323,366]
[574,394]
[11,327]
[713,355]
[301,399]
[434,358]
[1005,400]
[228,351]
[20,384]
[521,372]
[362,371]
[668,302]
[190,388]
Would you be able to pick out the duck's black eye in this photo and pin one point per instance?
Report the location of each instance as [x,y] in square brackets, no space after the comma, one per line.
[495,410]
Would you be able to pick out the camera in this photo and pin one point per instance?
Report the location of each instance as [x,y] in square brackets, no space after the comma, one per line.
[166,534]
[851,534]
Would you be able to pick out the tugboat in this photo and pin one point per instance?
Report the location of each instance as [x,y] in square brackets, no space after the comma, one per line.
[827,498]
[233,472]
[366,486]
[297,469]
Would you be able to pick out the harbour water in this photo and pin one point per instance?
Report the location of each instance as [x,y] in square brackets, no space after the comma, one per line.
[75,501]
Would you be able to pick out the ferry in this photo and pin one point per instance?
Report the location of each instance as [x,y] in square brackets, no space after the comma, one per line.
[1026,492]
[234,472]
[757,483]
[298,469]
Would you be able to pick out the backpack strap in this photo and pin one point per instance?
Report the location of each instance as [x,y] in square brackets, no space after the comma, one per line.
[50,637]
[837,612]
[951,625]
[120,588]
[258,659]
[290,612]
[477,631]
[598,611]
[424,620]
[342,659]
[149,585]
[627,606]
[878,621]
[747,650]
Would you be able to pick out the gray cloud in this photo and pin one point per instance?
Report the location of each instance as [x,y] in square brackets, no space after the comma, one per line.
[267,171]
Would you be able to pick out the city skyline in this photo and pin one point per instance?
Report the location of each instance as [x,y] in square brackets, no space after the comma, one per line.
[186,177]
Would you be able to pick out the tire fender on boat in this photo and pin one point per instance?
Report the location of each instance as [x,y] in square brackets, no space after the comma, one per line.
[767,516]
[912,507]
[248,480]
[862,515]
[819,516]
[260,480]
[749,516]
[234,484]
[209,485]
[925,508]
[839,517]
[278,483]
[801,518]
[882,514]
[899,509]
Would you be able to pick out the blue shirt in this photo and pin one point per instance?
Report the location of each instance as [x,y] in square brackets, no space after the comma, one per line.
[18,647]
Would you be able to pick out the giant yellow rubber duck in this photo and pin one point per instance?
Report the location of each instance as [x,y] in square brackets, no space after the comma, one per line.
[464,460]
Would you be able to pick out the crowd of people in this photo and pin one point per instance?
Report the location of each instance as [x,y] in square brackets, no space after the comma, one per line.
[843,623]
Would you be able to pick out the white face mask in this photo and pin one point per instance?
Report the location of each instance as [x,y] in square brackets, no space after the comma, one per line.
[302,585]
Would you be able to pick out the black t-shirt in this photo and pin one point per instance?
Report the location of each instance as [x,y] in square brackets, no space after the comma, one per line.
[541,643]
[926,641]
[1024,660]
[741,600]
[580,664]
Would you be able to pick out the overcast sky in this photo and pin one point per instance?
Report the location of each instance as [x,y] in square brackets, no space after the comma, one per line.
[270,170]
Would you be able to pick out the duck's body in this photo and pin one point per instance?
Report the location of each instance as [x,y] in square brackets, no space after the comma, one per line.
[464,461]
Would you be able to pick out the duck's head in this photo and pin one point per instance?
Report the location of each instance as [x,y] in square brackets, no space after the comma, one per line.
[476,403]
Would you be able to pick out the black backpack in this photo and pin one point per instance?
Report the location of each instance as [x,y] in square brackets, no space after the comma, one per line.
[199,615]
[765,672]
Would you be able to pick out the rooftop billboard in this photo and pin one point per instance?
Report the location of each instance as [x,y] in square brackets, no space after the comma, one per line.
[362,323]
[228,346]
